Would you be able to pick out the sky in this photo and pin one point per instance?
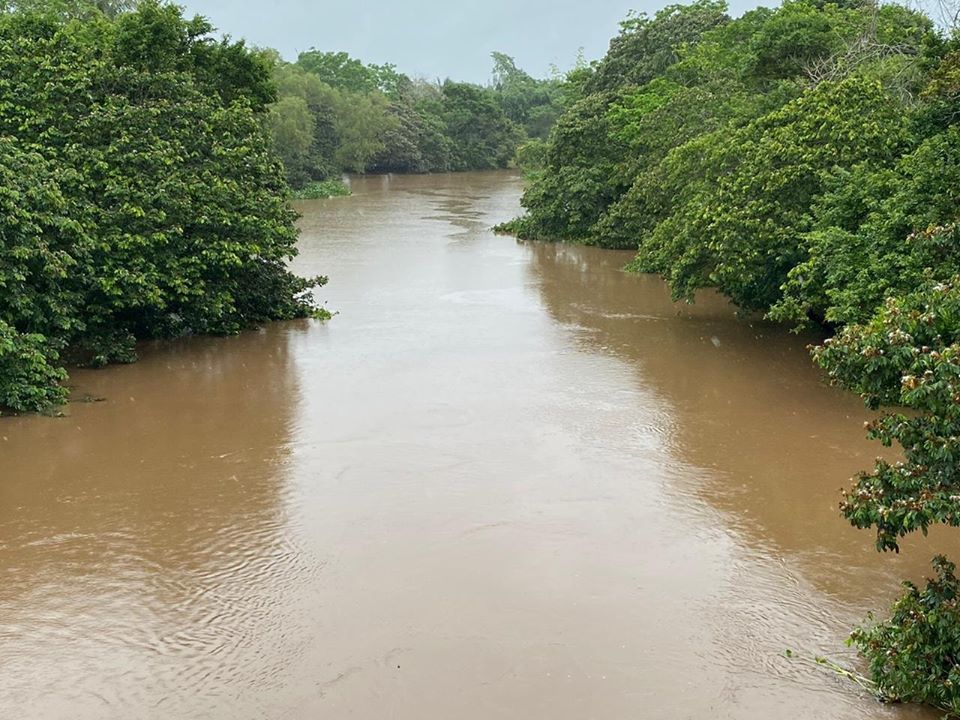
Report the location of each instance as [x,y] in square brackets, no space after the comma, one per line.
[434,39]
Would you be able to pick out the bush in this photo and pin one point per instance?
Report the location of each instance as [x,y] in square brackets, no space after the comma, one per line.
[915,655]
[30,372]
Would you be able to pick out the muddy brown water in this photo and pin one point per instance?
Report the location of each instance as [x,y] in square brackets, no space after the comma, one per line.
[507,480]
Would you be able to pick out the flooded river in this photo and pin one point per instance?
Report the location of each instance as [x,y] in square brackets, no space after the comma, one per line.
[506,481]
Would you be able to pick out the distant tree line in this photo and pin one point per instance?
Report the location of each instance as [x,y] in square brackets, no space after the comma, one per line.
[336,114]
[805,161]
[139,196]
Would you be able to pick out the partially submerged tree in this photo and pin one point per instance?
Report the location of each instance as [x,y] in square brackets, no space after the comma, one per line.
[141,196]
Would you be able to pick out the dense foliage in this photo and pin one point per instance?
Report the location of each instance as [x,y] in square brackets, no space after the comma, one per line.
[804,160]
[139,195]
[334,114]
[914,655]
[321,190]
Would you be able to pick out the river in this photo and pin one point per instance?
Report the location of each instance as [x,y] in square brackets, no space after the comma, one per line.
[507,480]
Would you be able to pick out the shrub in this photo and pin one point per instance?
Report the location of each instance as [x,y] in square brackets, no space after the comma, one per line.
[915,655]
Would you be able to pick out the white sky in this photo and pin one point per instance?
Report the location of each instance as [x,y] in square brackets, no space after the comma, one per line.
[432,38]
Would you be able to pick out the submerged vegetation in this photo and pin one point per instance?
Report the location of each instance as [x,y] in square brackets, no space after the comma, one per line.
[805,161]
[335,114]
[322,189]
[913,655]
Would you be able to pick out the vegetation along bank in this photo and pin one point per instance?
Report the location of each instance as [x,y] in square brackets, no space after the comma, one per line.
[804,160]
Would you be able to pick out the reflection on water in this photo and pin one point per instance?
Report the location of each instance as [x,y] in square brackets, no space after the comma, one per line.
[746,405]
[144,545]
[507,480]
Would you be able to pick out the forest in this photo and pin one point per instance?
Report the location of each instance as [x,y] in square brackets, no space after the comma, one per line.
[805,162]
[335,114]
[140,197]
[147,168]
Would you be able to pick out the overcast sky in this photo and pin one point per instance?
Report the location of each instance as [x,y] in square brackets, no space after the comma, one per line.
[431,38]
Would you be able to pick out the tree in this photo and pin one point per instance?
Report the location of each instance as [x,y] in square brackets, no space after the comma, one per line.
[142,196]
[534,104]
[303,125]
[482,136]
[913,654]
[362,121]
[908,355]
[579,180]
[871,237]
[646,46]
[292,127]
[588,166]
[70,8]
[371,118]
[748,224]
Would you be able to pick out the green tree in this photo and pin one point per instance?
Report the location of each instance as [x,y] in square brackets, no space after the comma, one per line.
[292,126]
[906,355]
[579,180]
[913,655]
[533,104]
[371,118]
[340,71]
[872,236]
[588,163]
[81,9]
[303,125]
[647,46]
[148,202]
[746,226]
[362,123]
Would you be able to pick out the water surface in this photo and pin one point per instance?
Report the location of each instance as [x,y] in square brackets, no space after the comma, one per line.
[507,480]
